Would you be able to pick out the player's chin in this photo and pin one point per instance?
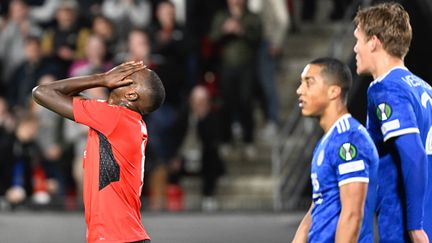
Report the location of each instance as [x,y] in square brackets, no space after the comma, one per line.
[360,70]
[305,111]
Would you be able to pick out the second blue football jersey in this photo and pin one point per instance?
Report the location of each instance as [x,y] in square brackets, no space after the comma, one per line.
[399,103]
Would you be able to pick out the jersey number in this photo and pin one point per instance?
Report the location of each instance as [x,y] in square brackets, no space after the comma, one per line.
[428,144]
[425,99]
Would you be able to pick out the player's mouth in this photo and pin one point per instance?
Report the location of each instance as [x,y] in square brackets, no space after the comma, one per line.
[301,103]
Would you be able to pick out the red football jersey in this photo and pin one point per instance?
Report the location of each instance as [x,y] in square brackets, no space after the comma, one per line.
[113,171]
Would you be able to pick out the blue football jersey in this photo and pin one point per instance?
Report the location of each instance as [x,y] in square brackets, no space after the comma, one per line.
[345,154]
[398,103]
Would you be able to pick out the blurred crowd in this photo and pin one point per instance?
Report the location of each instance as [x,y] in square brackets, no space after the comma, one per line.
[216,59]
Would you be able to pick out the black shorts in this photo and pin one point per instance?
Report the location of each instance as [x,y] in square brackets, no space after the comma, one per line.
[142,241]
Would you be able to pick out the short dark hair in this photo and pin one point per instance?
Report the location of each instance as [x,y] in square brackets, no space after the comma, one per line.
[157,91]
[335,73]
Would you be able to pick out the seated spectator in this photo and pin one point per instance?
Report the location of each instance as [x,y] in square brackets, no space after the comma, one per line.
[104,28]
[94,61]
[7,127]
[28,179]
[127,14]
[16,29]
[66,40]
[138,48]
[27,74]
[48,139]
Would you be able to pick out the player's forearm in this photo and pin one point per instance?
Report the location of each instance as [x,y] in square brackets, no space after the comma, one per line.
[75,85]
[349,225]
[301,235]
[57,96]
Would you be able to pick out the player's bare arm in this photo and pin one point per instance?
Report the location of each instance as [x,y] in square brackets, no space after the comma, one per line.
[301,235]
[57,96]
[353,197]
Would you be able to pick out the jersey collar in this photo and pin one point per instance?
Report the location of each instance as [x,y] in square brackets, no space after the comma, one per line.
[380,78]
[334,125]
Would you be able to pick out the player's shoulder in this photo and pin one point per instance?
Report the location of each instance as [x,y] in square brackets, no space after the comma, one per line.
[346,124]
[348,128]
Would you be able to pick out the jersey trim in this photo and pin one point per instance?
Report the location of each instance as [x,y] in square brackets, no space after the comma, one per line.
[381,78]
[401,132]
[353,179]
[337,125]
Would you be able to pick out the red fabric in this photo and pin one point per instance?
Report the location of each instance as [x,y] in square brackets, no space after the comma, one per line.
[113,213]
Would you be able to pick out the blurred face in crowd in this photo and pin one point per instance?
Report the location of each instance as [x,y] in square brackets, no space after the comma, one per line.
[95,49]
[3,106]
[166,14]
[200,101]
[313,91]
[66,17]
[236,5]
[103,27]
[33,50]
[18,10]
[139,45]
[27,130]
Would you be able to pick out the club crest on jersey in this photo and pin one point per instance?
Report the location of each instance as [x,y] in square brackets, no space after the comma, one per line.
[383,111]
[347,151]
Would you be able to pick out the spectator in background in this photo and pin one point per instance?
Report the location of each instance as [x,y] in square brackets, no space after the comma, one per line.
[200,59]
[168,47]
[26,159]
[127,14]
[48,140]
[65,41]
[7,126]
[274,17]
[12,36]
[104,28]
[43,12]
[138,48]
[237,32]
[27,74]
[201,145]
[95,59]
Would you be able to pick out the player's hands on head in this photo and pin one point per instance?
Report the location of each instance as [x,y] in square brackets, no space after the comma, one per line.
[116,77]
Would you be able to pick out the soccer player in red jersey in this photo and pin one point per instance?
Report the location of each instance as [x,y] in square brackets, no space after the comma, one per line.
[114,156]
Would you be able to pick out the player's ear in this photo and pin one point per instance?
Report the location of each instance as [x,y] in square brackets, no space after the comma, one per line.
[131,95]
[334,92]
[374,42]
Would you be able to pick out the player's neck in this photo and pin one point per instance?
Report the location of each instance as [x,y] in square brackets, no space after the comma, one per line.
[330,116]
[385,63]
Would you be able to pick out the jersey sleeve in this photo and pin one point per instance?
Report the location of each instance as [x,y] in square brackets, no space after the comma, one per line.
[391,110]
[352,158]
[96,114]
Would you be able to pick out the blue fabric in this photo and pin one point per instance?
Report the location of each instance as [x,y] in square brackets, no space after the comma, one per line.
[345,154]
[414,169]
[400,103]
